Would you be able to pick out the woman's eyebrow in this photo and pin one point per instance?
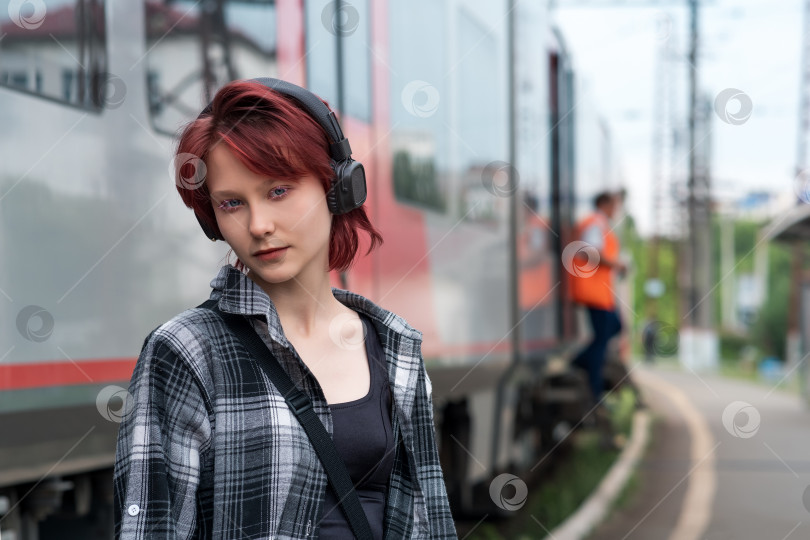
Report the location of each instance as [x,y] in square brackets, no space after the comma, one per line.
[224,193]
[230,193]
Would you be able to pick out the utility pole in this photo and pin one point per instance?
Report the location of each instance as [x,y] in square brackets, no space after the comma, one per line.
[698,339]
[793,345]
[662,170]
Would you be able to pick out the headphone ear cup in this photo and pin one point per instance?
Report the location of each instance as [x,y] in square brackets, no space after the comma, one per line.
[209,232]
[349,187]
[332,194]
[355,176]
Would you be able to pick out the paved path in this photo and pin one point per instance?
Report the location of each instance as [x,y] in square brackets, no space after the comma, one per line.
[703,478]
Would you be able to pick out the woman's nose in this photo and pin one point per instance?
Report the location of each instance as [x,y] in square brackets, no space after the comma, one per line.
[261,223]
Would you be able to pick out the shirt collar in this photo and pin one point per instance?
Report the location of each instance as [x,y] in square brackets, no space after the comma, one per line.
[237,293]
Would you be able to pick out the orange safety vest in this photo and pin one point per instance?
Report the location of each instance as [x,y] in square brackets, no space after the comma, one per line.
[594,287]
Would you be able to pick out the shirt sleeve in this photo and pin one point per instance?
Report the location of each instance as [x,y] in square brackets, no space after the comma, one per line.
[163,433]
[431,478]
[593,235]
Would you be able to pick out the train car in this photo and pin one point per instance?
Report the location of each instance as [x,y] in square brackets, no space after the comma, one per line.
[463,113]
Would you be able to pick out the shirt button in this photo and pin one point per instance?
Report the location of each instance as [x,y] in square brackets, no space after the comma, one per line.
[133,510]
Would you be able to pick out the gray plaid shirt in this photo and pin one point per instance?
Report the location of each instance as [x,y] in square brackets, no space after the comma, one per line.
[211,450]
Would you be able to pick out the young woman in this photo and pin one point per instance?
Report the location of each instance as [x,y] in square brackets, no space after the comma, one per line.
[210,448]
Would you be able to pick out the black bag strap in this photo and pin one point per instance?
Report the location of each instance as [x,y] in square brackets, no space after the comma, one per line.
[301,406]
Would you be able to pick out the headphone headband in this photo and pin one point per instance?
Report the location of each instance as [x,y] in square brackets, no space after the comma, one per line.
[348,191]
[339,147]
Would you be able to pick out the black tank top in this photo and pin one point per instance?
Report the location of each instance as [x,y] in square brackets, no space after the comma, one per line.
[364,439]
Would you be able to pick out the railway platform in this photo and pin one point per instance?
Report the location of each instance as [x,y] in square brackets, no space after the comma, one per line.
[727,459]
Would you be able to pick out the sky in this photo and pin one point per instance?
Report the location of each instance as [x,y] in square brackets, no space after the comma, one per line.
[753,46]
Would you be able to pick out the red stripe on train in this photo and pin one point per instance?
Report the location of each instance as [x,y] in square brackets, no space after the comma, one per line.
[41,375]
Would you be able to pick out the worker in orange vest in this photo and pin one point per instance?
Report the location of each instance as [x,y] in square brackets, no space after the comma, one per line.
[596,257]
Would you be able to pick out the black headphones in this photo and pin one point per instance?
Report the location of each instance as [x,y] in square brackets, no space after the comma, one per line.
[348,190]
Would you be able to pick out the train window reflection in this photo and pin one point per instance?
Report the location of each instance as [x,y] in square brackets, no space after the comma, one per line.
[328,21]
[448,105]
[321,45]
[194,47]
[356,62]
[56,51]
[419,113]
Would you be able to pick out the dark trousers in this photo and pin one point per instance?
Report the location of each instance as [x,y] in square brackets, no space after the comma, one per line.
[605,325]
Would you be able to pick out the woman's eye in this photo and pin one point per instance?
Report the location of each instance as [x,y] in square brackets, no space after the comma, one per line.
[276,194]
[226,204]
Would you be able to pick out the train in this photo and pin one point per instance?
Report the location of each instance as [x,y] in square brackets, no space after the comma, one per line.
[480,155]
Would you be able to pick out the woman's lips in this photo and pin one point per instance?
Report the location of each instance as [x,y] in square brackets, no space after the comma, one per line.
[272,255]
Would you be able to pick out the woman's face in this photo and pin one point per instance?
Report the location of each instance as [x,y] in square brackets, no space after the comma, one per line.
[256,213]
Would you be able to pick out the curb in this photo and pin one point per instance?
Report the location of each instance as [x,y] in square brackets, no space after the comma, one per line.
[596,507]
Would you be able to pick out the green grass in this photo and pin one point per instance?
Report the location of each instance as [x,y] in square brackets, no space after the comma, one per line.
[737,370]
[576,477]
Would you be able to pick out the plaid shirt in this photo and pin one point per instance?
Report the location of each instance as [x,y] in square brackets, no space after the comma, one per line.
[209,448]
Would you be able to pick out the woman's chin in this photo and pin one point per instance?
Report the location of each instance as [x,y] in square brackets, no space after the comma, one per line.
[271,277]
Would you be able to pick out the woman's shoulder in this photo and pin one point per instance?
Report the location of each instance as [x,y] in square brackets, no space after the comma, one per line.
[192,323]
[183,346]
[190,335]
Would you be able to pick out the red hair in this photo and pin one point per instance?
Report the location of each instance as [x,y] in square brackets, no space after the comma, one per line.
[272,136]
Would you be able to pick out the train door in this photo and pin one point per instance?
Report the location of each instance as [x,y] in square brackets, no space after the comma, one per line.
[561,106]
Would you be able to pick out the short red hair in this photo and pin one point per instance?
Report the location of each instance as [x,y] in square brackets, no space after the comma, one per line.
[272,136]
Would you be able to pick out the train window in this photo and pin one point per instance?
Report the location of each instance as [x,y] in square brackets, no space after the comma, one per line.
[56,51]
[321,46]
[418,102]
[448,104]
[356,62]
[328,21]
[195,47]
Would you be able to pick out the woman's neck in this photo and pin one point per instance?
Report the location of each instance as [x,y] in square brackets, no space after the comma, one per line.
[305,304]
